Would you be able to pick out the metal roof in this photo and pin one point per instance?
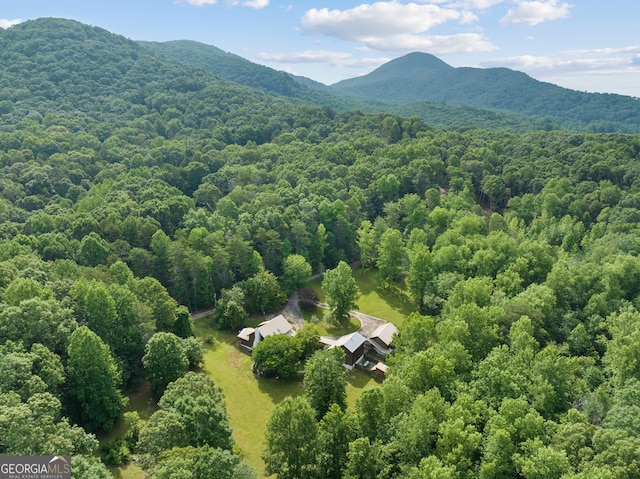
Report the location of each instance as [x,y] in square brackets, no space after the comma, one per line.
[385,333]
[277,325]
[351,342]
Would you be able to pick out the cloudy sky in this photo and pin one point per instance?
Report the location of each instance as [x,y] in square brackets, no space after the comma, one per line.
[589,45]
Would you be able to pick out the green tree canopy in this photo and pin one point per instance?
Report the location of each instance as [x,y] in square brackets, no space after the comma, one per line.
[277,356]
[94,397]
[340,290]
[192,413]
[165,360]
[291,440]
[325,381]
[295,271]
[391,256]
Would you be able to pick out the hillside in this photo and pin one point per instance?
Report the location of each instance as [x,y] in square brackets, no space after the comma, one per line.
[423,85]
[419,77]
[92,75]
[237,69]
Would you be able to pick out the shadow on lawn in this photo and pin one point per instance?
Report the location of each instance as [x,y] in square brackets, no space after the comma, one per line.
[278,389]
[358,379]
[369,282]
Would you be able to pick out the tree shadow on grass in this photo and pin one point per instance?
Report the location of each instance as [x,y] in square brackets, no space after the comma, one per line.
[393,297]
[359,380]
[278,389]
[396,299]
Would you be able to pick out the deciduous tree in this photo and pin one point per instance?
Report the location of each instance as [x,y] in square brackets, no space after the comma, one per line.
[93,382]
[296,271]
[291,440]
[391,256]
[277,356]
[338,429]
[340,290]
[165,360]
[325,381]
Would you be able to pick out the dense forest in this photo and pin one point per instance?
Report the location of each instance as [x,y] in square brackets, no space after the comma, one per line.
[419,77]
[135,190]
[423,85]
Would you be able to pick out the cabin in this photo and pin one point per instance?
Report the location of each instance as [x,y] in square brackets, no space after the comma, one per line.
[353,346]
[250,337]
[380,340]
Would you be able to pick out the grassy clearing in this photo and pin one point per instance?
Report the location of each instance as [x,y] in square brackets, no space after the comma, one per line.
[330,329]
[391,304]
[250,400]
[130,471]
[142,402]
[357,382]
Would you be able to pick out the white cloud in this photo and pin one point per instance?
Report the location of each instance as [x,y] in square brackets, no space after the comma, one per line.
[595,61]
[434,44]
[396,27]
[380,19]
[536,11]
[602,51]
[479,4]
[257,4]
[337,59]
[5,23]
[559,64]
[306,56]
[200,3]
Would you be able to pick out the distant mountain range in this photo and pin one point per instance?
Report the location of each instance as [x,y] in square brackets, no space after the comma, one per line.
[421,84]
[418,77]
[417,84]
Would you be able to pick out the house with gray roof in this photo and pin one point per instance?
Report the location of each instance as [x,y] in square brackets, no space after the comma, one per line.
[353,346]
[250,337]
[380,340]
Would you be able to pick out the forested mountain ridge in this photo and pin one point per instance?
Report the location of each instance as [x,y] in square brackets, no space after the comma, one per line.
[235,68]
[423,85]
[94,75]
[420,77]
[131,193]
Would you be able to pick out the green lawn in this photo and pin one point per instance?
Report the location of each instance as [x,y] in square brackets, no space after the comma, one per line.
[391,304]
[249,399]
[333,329]
[139,400]
[357,382]
[130,471]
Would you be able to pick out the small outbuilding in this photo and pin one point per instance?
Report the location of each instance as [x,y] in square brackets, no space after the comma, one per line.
[379,370]
[247,337]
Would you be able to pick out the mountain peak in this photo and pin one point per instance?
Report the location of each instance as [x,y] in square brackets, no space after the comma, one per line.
[410,66]
[417,61]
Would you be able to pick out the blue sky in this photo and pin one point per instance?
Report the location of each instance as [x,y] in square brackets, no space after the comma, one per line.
[589,45]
